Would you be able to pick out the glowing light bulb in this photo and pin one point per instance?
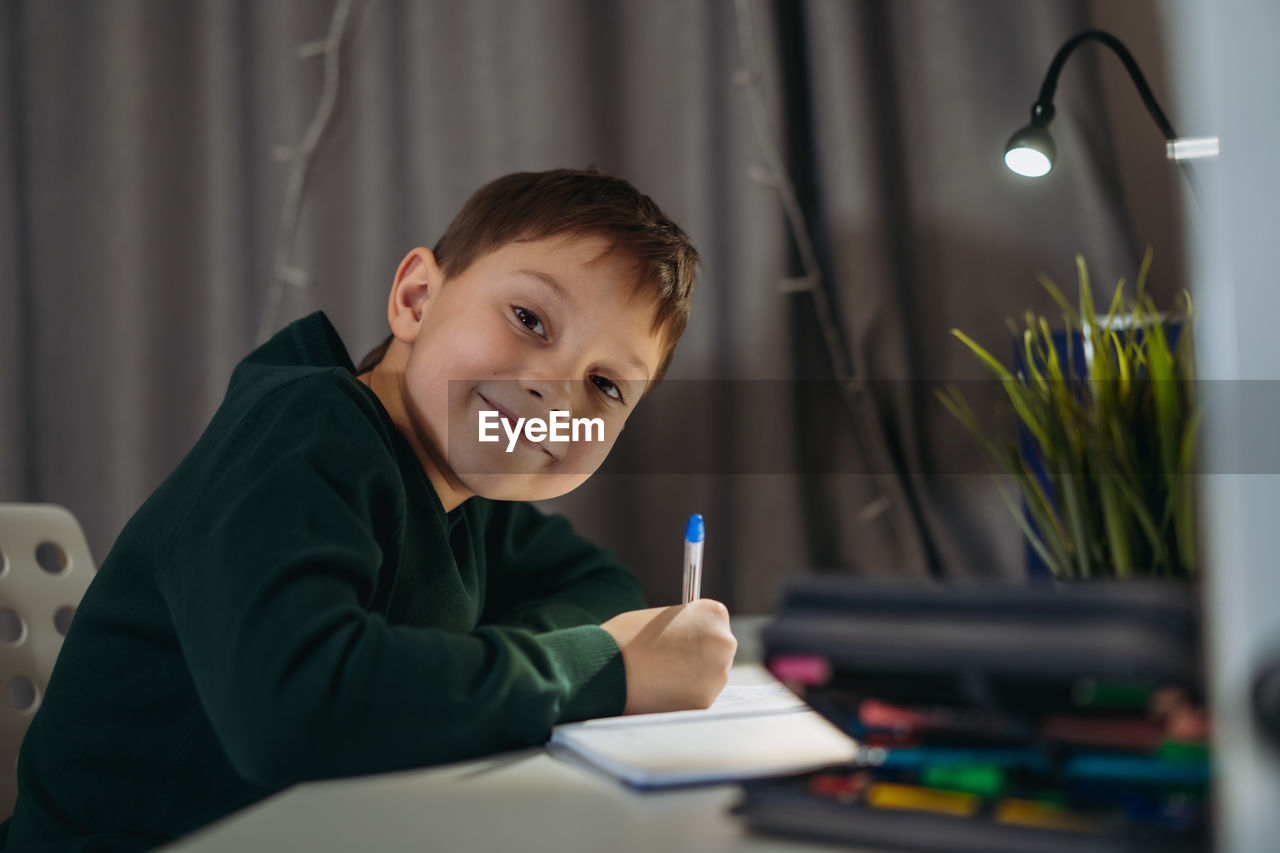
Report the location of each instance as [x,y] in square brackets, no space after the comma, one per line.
[1028,162]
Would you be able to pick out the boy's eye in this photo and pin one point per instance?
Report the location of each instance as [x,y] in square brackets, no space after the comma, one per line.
[529,320]
[606,387]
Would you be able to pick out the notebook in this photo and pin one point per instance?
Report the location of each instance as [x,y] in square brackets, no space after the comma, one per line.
[751,731]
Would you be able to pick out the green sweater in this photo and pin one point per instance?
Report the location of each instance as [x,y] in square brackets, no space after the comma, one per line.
[293,603]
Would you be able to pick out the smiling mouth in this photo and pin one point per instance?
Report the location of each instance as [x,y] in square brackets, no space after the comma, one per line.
[511,420]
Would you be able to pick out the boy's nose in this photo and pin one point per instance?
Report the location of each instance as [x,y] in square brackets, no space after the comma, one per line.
[551,393]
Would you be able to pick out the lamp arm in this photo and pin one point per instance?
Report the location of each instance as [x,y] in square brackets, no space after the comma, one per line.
[1042,110]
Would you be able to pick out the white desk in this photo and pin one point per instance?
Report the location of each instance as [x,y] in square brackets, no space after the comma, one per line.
[519,801]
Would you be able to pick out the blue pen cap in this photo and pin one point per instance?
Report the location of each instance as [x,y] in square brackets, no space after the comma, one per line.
[695,532]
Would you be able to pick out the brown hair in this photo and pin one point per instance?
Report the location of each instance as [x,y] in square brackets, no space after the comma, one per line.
[536,205]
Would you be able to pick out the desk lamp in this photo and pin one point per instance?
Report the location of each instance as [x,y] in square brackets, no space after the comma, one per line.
[1030,151]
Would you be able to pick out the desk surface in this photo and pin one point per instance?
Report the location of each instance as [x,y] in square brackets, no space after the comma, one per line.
[524,801]
[517,801]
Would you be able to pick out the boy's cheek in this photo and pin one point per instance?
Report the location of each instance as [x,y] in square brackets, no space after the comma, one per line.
[580,463]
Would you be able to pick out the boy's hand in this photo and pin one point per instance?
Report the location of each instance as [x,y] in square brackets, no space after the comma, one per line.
[677,657]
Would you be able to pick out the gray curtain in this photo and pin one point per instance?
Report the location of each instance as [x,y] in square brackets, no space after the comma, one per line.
[150,148]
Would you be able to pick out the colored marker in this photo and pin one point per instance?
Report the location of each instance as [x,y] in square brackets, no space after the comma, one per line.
[846,788]
[1142,734]
[1043,816]
[802,670]
[890,795]
[928,756]
[1136,769]
[694,534]
[971,723]
[985,780]
[1112,694]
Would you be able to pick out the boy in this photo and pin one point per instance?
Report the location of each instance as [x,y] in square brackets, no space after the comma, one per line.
[342,578]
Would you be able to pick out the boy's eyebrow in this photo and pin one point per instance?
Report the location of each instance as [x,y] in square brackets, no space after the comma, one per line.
[547,279]
[639,365]
[560,291]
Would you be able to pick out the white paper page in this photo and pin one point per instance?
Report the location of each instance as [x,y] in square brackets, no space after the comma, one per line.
[734,700]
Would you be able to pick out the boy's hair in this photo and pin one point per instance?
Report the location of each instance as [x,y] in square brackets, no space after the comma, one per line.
[572,202]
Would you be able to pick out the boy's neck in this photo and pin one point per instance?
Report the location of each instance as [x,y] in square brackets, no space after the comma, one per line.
[386,380]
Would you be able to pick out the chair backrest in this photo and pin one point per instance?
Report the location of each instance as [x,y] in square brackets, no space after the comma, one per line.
[45,568]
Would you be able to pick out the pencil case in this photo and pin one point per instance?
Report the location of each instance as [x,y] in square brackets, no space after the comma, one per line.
[830,806]
[1024,648]
[995,717]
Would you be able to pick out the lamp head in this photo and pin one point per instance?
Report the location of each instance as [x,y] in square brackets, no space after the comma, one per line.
[1030,151]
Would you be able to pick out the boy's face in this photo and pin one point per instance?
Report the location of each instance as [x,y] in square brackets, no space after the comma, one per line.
[529,328]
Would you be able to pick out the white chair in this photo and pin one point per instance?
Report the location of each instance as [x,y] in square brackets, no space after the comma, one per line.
[45,568]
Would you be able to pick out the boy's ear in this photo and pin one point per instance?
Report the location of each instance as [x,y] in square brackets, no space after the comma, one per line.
[417,280]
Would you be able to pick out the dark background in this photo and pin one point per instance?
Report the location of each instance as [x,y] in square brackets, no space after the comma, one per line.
[145,165]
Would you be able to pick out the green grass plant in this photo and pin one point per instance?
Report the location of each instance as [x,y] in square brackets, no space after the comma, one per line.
[1104,476]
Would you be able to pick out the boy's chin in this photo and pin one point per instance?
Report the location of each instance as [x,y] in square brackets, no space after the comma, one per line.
[523,487]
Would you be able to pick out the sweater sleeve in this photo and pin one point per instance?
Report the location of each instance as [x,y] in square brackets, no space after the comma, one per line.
[269,577]
[544,576]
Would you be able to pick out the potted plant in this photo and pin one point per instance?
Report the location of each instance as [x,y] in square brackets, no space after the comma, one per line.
[1106,431]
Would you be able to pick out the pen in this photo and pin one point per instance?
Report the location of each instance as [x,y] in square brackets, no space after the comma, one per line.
[694,534]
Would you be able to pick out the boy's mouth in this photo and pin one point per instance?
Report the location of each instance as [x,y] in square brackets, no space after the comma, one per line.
[509,422]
